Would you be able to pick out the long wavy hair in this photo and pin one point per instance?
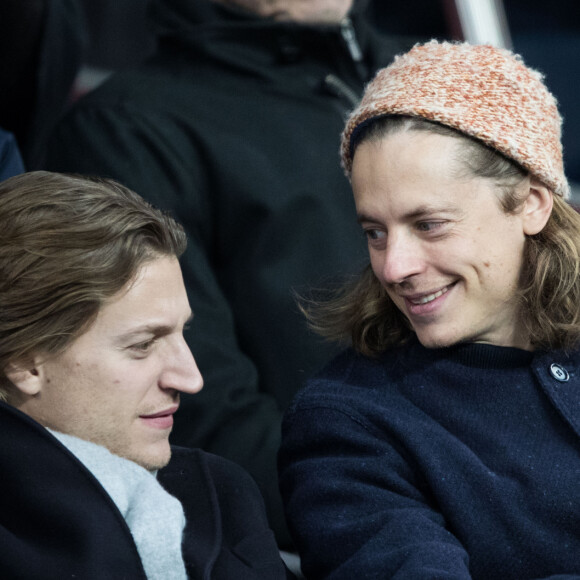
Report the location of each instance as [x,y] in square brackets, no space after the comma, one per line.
[361,312]
[67,245]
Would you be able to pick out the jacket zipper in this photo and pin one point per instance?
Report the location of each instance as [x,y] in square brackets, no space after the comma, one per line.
[333,83]
[349,36]
[339,88]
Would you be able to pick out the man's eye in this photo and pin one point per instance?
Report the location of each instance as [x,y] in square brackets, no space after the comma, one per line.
[428,226]
[373,234]
[144,346]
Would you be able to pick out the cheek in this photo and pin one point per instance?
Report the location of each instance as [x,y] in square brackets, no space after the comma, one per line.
[503,247]
[498,268]
[503,235]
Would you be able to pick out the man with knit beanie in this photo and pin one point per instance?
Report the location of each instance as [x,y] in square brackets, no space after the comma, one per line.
[445,442]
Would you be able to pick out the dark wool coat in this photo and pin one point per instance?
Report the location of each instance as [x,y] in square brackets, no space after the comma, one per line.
[455,463]
[57,522]
[234,126]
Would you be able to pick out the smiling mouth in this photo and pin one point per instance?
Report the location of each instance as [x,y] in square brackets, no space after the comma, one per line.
[429,297]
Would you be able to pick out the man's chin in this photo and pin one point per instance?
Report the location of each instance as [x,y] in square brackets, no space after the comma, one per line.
[438,340]
[154,460]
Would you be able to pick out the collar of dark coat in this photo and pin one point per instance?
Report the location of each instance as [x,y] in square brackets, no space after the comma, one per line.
[206,26]
[56,520]
[187,477]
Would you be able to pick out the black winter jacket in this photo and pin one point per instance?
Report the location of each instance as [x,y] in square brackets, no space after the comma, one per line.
[58,522]
[234,126]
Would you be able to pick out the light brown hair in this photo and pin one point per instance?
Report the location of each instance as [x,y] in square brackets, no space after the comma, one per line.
[362,313]
[68,244]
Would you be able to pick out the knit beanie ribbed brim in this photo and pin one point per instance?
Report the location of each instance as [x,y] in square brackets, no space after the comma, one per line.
[483,91]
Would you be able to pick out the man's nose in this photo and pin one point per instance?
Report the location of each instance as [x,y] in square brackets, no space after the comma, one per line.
[181,372]
[402,258]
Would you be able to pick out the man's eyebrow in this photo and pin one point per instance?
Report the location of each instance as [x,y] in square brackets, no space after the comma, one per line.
[419,212]
[426,210]
[153,328]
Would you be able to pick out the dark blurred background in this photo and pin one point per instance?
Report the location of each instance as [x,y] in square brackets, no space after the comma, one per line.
[546,34]
[97,37]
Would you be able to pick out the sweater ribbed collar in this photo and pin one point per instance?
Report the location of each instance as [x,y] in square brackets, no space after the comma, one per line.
[476,355]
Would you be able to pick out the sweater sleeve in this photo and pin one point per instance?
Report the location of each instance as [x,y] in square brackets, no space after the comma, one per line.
[230,417]
[355,507]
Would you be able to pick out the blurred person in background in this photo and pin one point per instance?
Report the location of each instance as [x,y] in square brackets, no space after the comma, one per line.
[42,44]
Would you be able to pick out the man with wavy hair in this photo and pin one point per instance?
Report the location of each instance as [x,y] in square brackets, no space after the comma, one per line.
[93,361]
[446,442]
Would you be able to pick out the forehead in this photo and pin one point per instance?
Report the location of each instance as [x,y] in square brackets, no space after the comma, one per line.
[416,173]
[155,298]
[408,159]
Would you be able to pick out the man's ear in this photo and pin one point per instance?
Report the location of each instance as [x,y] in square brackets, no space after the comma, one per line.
[25,377]
[537,207]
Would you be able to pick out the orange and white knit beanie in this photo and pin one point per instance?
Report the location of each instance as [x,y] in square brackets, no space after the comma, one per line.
[483,91]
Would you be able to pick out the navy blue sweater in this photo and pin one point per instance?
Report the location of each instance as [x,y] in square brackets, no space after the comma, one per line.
[451,463]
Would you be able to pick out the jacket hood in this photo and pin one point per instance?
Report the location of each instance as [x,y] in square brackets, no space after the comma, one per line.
[174,16]
[170,17]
